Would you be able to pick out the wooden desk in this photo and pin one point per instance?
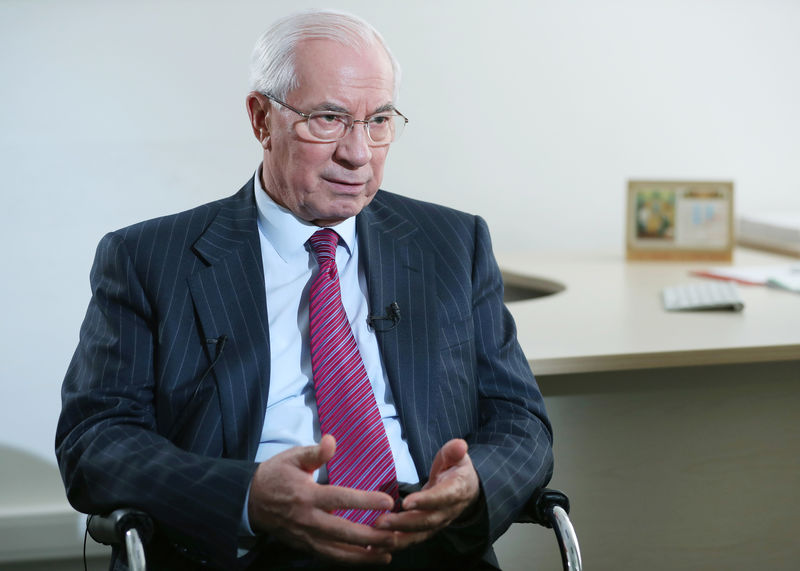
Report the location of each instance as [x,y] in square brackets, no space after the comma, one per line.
[677,435]
[609,316]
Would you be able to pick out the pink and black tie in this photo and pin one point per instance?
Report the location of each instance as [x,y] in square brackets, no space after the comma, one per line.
[345,401]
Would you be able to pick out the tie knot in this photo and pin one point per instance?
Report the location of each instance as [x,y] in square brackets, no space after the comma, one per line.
[324,243]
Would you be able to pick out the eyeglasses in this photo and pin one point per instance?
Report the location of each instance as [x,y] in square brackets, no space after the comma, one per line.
[329,126]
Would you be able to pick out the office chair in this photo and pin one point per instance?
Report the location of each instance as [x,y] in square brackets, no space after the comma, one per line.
[131,529]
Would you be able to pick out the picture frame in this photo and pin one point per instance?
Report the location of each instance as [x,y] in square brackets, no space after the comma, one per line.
[680,220]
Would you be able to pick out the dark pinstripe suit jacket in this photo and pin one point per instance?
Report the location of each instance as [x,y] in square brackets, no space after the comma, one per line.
[138,428]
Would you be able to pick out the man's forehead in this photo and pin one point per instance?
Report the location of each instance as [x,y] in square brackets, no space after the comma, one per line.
[332,76]
[358,45]
[314,53]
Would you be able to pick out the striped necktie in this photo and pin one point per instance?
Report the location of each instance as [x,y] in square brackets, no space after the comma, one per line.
[345,402]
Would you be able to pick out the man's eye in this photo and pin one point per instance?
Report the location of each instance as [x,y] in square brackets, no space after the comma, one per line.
[329,118]
[379,119]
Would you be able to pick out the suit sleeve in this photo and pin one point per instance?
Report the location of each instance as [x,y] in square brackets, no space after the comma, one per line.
[512,446]
[108,444]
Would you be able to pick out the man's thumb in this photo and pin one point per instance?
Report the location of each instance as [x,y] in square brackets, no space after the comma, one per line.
[312,457]
[449,455]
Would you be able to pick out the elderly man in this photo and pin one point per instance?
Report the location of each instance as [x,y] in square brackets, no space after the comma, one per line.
[312,372]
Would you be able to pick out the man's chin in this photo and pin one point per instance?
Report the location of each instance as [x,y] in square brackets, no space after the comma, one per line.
[340,210]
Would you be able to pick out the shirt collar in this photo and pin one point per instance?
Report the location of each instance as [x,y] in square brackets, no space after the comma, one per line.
[286,232]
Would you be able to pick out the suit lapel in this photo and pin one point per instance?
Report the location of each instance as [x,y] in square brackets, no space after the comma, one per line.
[398,270]
[229,299]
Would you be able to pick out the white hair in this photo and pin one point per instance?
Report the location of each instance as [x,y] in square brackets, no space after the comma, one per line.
[272,69]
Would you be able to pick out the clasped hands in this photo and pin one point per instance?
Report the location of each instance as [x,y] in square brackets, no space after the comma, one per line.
[286,502]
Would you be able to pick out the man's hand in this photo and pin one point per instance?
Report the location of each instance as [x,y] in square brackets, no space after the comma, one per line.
[286,502]
[453,487]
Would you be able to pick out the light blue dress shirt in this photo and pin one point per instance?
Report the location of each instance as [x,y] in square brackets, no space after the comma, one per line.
[291,417]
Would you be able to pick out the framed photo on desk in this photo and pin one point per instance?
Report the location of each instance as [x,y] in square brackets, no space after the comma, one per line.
[675,220]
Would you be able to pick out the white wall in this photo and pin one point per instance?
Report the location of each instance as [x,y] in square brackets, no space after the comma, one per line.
[531,113]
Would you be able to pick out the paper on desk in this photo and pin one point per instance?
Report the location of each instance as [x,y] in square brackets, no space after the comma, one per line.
[791,283]
[784,276]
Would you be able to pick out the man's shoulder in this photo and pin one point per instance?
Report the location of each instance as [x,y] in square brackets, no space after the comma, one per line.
[419,210]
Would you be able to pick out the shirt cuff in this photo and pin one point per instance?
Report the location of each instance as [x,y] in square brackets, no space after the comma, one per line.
[245,531]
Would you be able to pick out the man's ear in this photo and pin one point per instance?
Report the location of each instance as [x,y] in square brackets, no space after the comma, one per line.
[258,109]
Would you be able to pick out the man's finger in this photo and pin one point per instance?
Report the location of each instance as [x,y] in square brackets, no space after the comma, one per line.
[453,451]
[309,458]
[452,481]
[335,529]
[416,520]
[439,497]
[330,498]
[448,455]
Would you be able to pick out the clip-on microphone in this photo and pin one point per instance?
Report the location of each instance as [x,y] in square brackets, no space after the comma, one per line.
[393,315]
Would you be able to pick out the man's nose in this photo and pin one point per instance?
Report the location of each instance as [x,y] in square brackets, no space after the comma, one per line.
[354,146]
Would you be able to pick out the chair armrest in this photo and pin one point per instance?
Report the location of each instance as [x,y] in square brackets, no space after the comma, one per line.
[549,508]
[127,529]
[110,529]
[539,508]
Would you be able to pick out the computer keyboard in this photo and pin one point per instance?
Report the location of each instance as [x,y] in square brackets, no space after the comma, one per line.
[701,296]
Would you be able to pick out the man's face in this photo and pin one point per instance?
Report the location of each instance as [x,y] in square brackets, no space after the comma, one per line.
[325,183]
